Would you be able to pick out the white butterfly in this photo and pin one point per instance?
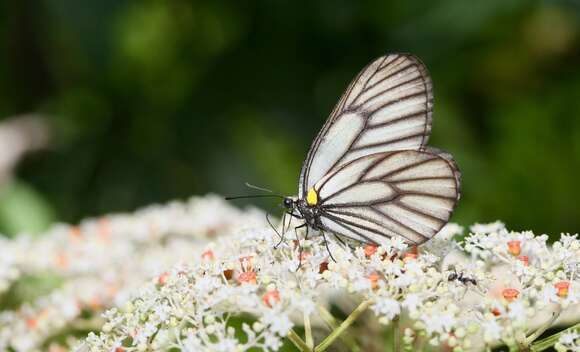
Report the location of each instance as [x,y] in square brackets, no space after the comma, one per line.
[369,175]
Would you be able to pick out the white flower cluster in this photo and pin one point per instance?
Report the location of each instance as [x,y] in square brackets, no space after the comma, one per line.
[569,341]
[204,276]
[101,263]
[494,288]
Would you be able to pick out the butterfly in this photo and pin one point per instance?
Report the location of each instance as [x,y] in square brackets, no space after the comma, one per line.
[369,174]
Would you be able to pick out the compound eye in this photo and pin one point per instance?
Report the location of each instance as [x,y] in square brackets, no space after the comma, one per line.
[288,202]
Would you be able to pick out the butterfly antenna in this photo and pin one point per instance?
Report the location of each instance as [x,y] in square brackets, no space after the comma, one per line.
[255,196]
[249,185]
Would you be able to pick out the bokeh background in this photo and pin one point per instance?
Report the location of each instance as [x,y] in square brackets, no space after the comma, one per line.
[150,101]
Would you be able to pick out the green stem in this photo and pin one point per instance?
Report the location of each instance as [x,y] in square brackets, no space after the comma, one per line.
[420,344]
[308,332]
[550,341]
[544,327]
[396,335]
[343,326]
[333,324]
[298,342]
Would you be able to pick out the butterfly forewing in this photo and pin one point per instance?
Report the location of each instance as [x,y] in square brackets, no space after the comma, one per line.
[387,107]
[408,193]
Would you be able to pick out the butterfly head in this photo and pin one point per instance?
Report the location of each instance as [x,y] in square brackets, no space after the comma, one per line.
[289,203]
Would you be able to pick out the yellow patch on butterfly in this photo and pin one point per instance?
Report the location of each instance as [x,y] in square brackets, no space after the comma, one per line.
[312,197]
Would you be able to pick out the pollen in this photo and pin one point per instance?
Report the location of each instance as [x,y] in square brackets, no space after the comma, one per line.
[312,197]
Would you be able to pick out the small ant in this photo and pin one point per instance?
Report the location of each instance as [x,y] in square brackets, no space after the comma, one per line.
[463,279]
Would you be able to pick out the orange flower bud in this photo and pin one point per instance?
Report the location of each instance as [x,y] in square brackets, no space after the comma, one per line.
[247,277]
[75,232]
[370,249]
[510,294]
[95,303]
[270,297]
[208,255]
[374,278]
[407,257]
[514,247]
[524,259]
[162,279]
[104,229]
[31,323]
[495,312]
[562,287]
[323,267]
[62,260]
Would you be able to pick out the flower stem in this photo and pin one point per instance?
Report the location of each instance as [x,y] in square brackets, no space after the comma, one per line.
[333,324]
[308,332]
[343,326]
[544,327]
[298,342]
[551,340]
[396,335]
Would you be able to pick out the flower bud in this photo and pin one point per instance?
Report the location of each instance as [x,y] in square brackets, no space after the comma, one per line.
[370,249]
[228,273]
[322,267]
[407,257]
[514,247]
[374,278]
[270,297]
[247,277]
[562,287]
[208,255]
[162,279]
[510,294]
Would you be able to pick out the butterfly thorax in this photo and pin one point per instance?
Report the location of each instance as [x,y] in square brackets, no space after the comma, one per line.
[307,209]
[310,213]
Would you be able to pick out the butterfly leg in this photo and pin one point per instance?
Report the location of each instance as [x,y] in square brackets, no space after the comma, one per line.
[301,250]
[292,215]
[283,236]
[327,248]
[273,227]
[341,241]
[284,226]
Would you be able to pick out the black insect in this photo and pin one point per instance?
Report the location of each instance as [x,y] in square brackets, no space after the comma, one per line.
[461,278]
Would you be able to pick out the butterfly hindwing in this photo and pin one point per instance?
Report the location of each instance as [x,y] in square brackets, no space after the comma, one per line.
[408,193]
[387,107]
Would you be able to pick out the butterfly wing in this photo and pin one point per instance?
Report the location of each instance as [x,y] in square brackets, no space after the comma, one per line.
[387,107]
[409,193]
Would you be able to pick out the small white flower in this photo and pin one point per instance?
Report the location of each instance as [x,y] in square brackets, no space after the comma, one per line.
[390,308]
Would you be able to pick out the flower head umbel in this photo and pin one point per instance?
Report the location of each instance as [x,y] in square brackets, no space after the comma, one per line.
[180,277]
[274,285]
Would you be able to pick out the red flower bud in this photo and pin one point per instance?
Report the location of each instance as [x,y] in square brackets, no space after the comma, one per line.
[247,277]
[370,249]
[510,294]
[271,297]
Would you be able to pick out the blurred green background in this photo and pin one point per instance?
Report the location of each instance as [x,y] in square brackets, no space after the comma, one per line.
[150,101]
